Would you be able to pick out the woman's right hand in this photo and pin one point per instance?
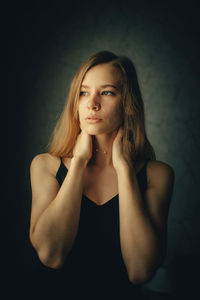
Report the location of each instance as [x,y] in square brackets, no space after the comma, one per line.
[83,146]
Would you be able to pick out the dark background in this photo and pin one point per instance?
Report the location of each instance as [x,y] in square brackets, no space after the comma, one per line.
[43,43]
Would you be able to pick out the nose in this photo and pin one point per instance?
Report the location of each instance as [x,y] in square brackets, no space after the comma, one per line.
[93,103]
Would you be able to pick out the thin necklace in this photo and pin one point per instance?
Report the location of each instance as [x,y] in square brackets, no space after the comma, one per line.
[105,152]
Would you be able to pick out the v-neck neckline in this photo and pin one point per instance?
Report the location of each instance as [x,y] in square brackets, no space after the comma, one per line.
[110,200]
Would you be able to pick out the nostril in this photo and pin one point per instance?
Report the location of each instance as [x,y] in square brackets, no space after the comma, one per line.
[94,106]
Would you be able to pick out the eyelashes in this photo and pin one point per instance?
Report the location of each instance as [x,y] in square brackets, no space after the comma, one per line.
[82,93]
[109,92]
[106,93]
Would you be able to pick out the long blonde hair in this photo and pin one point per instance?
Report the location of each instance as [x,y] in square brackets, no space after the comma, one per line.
[135,141]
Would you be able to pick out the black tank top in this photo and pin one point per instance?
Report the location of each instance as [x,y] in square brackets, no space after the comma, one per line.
[95,260]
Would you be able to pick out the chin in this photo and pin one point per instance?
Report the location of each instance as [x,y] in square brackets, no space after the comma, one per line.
[98,131]
[94,131]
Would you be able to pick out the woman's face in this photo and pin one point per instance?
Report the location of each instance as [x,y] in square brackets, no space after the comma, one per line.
[99,102]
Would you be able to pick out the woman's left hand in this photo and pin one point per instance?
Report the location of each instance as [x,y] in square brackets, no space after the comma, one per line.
[117,150]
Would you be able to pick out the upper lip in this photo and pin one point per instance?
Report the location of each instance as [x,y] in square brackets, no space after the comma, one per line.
[92,117]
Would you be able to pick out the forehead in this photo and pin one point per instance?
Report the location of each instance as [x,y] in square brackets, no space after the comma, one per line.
[102,74]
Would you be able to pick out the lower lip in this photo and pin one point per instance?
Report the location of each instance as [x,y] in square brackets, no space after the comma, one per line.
[93,121]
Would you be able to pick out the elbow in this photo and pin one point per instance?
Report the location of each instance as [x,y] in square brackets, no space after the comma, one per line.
[142,274]
[137,278]
[48,257]
[50,261]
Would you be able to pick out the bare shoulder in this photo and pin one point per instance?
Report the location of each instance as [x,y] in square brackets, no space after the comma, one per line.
[45,162]
[159,172]
[160,189]
[158,194]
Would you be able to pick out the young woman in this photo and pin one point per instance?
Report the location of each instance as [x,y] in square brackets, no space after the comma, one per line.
[100,198]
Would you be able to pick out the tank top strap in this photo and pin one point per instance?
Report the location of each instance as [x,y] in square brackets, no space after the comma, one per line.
[142,177]
[62,172]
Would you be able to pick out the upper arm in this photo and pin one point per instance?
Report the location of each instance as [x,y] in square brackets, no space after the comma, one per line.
[44,187]
[158,195]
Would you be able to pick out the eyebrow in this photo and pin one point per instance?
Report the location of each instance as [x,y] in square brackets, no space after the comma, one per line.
[102,86]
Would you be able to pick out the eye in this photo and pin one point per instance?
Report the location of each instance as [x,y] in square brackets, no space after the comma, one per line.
[83,93]
[108,93]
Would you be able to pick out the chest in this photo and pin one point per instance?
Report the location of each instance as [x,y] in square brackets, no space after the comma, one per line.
[100,185]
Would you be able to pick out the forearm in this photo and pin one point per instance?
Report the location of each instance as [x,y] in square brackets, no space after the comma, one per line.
[139,240]
[56,229]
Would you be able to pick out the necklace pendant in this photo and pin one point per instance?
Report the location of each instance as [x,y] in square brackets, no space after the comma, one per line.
[105,152]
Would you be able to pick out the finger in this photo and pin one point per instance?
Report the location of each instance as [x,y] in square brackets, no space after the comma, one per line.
[120,133]
[121,129]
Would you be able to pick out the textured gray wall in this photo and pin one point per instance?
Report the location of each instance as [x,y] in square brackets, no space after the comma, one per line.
[46,47]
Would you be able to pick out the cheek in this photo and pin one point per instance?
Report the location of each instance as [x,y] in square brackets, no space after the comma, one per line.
[116,115]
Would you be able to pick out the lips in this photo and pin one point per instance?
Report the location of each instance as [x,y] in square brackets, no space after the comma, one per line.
[93,118]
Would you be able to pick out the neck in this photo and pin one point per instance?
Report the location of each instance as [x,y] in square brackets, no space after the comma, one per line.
[102,149]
